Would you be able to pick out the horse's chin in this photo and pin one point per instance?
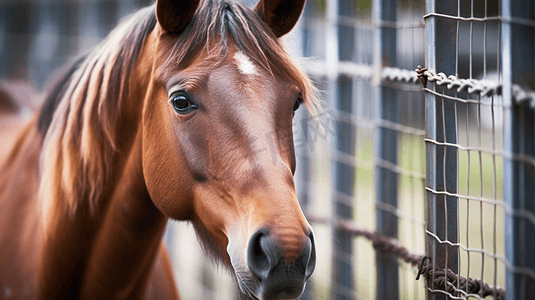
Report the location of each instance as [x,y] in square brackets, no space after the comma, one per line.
[246,290]
[252,288]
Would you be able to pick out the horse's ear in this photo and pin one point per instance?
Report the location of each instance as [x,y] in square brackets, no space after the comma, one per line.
[174,15]
[280,15]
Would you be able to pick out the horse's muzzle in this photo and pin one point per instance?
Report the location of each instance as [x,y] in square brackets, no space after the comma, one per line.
[278,278]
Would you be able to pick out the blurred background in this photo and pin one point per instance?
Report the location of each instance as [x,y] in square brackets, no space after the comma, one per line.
[38,37]
[363,157]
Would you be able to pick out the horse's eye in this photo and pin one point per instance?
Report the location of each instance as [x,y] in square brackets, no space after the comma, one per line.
[182,104]
[296,105]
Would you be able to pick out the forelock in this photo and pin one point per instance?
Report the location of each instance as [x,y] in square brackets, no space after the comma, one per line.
[230,24]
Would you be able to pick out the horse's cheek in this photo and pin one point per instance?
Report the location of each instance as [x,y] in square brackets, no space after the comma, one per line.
[170,190]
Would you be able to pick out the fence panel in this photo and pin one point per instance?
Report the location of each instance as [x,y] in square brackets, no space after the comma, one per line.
[487,48]
[370,165]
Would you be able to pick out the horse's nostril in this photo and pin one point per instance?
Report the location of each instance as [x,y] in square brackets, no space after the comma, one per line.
[311,263]
[307,260]
[262,255]
[279,279]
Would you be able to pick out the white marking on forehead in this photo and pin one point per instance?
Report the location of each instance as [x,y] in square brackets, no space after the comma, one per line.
[245,65]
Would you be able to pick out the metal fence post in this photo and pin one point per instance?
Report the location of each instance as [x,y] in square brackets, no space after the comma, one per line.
[517,44]
[341,87]
[386,181]
[441,170]
[344,187]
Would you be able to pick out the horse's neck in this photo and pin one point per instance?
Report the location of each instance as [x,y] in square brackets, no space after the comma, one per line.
[109,254]
[128,238]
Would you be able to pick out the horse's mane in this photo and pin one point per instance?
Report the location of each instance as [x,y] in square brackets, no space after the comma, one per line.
[78,119]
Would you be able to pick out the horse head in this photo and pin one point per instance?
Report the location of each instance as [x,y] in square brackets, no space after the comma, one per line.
[217,137]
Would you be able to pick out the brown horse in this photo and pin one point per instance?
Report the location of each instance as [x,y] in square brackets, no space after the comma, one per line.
[183,112]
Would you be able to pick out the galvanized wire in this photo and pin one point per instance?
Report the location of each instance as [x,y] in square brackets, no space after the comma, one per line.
[483,87]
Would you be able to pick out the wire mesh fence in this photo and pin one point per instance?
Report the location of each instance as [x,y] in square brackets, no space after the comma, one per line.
[480,146]
[387,171]
[364,163]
